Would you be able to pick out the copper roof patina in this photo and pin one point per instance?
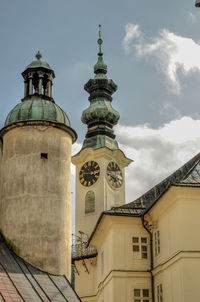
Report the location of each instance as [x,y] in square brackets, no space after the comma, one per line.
[37,108]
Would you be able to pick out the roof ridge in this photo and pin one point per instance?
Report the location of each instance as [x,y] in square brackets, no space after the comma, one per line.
[192,168]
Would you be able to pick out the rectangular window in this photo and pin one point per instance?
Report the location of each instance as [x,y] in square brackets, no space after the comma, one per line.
[141,295]
[140,246]
[136,246]
[157,242]
[144,247]
[159,293]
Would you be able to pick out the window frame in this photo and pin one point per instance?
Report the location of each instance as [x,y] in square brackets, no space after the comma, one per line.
[157,242]
[159,293]
[141,297]
[140,246]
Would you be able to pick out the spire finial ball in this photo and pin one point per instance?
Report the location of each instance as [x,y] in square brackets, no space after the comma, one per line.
[38,55]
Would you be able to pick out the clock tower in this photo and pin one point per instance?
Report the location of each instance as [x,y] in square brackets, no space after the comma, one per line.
[100,180]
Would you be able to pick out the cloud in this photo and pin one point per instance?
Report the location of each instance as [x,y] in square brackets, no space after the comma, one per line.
[156,152]
[132,31]
[172,55]
[76,147]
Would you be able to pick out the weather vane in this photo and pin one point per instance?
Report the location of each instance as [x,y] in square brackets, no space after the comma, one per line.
[100,41]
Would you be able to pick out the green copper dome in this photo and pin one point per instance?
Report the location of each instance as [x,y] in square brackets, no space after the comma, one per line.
[37,109]
[100,110]
[37,106]
[38,63]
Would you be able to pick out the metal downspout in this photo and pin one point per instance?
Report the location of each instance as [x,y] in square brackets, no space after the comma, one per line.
[151,249]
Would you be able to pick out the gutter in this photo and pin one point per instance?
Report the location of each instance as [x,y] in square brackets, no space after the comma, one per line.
[152,264]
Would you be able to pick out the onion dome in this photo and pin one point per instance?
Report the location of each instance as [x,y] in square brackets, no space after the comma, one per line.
[37,109]
[100,116]
[38,106]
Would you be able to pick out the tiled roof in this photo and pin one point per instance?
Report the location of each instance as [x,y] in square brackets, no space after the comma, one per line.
[188,174]
[193,177]
[21,282]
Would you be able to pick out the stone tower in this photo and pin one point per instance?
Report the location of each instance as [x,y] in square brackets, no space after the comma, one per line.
[35,206]
[100,181]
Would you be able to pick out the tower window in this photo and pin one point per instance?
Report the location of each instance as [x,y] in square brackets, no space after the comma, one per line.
[89,202]
[44,155]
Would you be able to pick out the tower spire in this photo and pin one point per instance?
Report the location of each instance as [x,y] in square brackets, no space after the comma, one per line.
[100,117]
[100,41]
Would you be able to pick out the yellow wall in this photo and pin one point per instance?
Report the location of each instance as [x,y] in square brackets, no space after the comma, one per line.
[177,267]
[123,271]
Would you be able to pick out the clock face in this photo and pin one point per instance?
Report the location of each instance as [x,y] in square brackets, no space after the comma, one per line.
[114,175]
[89,173]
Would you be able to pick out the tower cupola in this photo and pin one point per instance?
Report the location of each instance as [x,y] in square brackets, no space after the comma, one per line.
[38,105]
[38,78]
[100,117]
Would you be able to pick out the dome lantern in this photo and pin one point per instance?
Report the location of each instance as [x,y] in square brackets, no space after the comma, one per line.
[38,106]
[38,78]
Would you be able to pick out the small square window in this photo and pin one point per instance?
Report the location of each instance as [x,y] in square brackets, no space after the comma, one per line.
[144,240]
[136,292]
[135,239]
[144,248]
[44,155]
[136,248]
[144,255]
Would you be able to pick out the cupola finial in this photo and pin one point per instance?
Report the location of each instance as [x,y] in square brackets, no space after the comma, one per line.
[100,41]
[38,55]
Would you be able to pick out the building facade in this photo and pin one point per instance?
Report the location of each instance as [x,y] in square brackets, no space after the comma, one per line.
[143,251]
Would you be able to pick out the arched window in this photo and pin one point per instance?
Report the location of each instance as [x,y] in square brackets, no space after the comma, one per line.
[89,202]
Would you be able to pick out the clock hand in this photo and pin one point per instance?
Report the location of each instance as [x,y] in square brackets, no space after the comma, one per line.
[113,177]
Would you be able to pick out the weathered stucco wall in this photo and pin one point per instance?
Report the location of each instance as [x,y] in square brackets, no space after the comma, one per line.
[35,207]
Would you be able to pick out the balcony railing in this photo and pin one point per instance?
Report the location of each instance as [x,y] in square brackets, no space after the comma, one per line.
[83,251]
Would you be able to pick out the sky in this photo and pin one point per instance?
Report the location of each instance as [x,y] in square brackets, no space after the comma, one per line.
[152,50]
